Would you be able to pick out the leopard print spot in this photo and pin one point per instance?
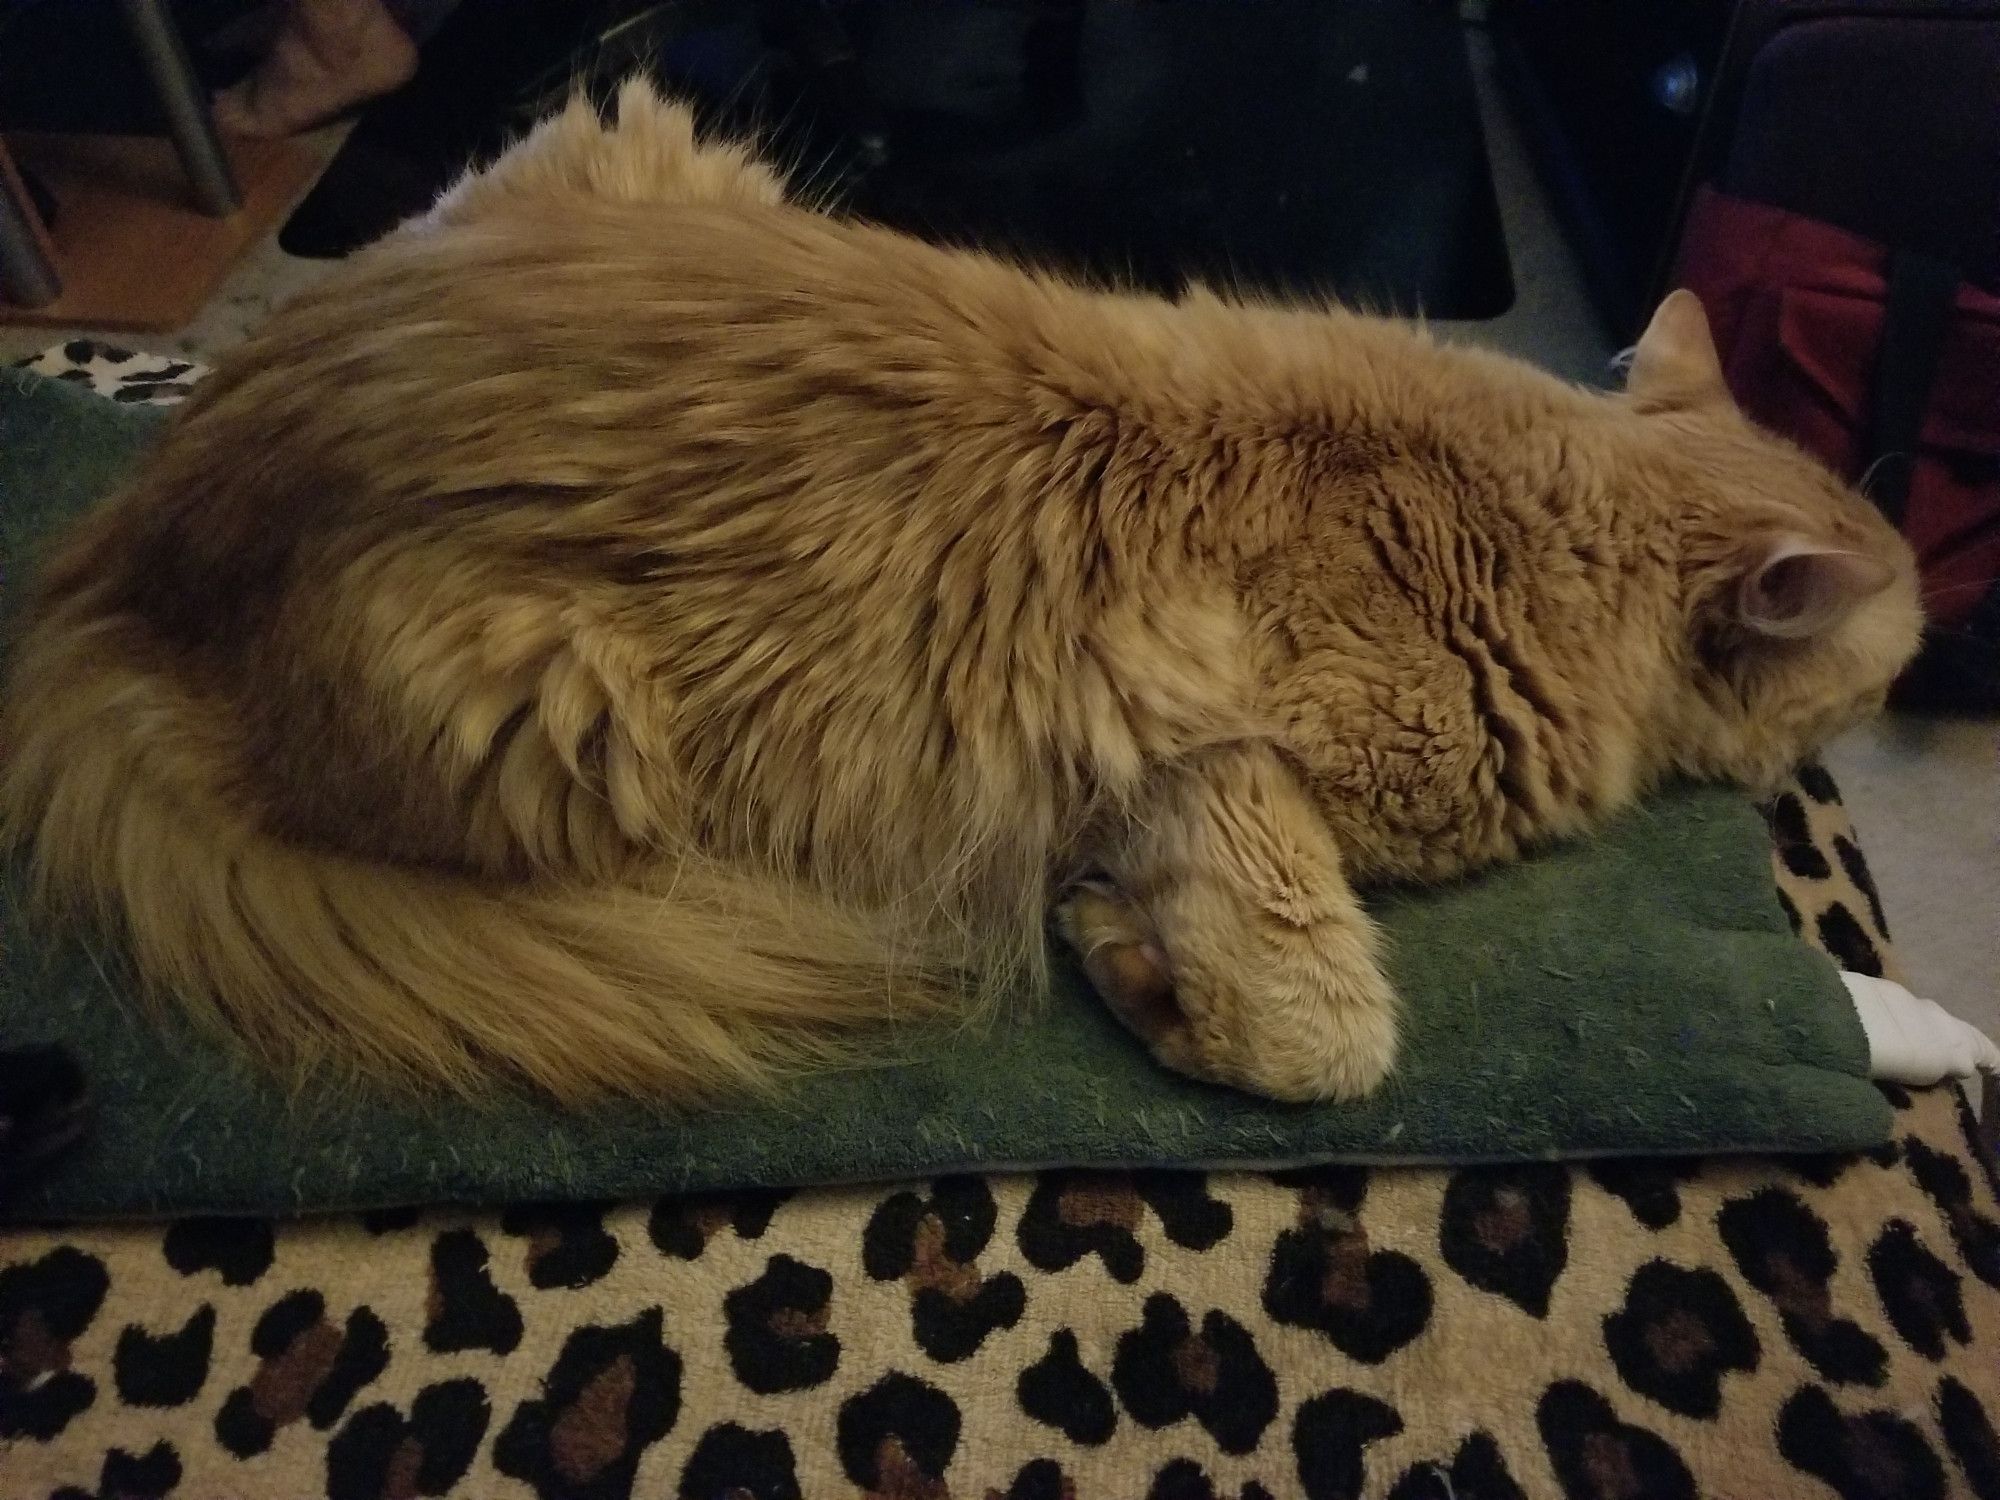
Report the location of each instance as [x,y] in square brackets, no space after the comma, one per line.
[1968,1433]
[465,1310]
[1792,918]
[1679,1333]
[1817,784]
[1165,1371]
[1071,1215]
[1851,861]
[45,1305]
[1919,1292]
[1039,1479]
[612,1393]
[1876,1455]
[381,1454]
[567,1243]
[1978,1151]
[897,1438]
[1060,1392]
[682,1227]
[776,1335]
[240,1250]
[1506,1230]
[960,1214]
[1791,837]
[933,1245]
[307,1368]
[1074,1214]
[1945,1182]
[1598,1457]
[1323,1275]
[152,1475]
[1184,1479]
[165,1369]
[1822,1169]
[1648,1186]
[150,390]
[1330,1438]
[1783,1250]
[1336,1183]
[1885,1156]
[736,1463]
[1477,1472]
[1847,941]
[1181,1203]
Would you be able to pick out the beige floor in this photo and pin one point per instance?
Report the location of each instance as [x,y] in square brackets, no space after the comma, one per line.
[1925,795]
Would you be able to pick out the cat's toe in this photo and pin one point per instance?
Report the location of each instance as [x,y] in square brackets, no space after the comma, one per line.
[1346,1053]
[1318,1036]
[1122,959]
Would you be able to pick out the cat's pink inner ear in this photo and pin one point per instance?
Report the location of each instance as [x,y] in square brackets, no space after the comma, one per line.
[1797,588]
[1675,362]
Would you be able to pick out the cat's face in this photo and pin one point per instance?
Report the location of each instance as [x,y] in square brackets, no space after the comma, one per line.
[1801,601]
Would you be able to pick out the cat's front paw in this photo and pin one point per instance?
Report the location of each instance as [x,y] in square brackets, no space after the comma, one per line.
[1281,1016]
[1301,1032]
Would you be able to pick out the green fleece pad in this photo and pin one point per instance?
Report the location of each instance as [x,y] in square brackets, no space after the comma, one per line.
[1637,993]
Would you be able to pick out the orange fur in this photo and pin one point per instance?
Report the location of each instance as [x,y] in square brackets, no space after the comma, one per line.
[624,632]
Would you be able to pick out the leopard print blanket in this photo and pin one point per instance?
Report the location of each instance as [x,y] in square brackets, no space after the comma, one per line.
[1631,1330]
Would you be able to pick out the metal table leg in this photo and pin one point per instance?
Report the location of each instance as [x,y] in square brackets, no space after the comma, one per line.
[26,277]
[186,107]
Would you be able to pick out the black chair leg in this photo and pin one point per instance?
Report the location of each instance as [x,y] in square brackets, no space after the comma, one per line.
[26,277]
[184,104]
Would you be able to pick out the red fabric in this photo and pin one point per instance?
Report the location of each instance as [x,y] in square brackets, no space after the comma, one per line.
[1797,307]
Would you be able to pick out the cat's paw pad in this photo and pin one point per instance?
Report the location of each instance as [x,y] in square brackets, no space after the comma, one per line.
[1123,959]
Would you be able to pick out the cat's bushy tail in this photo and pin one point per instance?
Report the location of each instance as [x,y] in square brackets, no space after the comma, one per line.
[692,988]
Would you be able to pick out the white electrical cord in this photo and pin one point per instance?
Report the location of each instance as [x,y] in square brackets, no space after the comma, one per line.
[1916,1041]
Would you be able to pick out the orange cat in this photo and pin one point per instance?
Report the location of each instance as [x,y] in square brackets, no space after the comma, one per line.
[623,632]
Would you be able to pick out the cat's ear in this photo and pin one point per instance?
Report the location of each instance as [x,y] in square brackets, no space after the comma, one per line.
[1675,363]
[1791,587]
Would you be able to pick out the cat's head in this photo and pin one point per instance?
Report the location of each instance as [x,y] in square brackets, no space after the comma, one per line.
[1799,600]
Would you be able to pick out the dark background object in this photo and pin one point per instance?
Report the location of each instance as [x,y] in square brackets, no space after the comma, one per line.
[70,65]
[1630,104]
[1876,129]
[1290,146]
[482,78]
[44,1110]
[1611,94]
[1293,145]
[1851,114]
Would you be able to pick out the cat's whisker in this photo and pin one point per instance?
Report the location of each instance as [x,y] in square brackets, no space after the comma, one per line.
[1867,479]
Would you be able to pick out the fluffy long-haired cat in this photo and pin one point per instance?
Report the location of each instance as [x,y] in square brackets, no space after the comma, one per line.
[626,633]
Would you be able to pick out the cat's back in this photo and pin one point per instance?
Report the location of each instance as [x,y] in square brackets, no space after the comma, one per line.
[500,378]
[506,340]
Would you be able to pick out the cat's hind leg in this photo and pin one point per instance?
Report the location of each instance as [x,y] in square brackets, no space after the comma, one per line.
[1224,934]
[648,153]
